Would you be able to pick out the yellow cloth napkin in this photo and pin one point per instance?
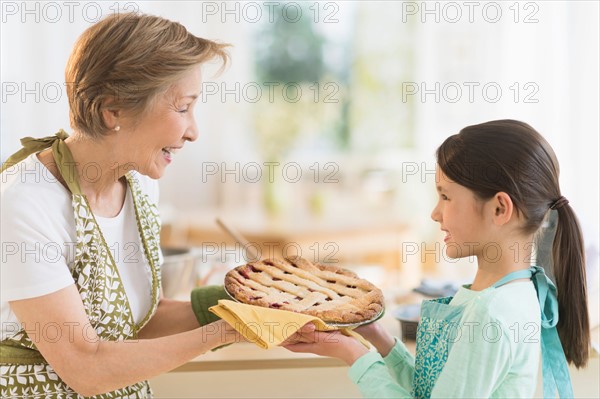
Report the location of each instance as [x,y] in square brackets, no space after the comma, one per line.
[267,327]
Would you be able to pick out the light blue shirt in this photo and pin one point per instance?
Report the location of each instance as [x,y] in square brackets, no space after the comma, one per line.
[495,351]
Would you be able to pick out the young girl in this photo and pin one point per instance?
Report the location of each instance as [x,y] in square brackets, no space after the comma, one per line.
[496,183]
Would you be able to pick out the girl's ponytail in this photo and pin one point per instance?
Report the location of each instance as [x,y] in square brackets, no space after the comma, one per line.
[569,273]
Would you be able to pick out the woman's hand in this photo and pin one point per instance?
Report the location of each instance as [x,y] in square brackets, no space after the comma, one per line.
[228,334]
[331,344]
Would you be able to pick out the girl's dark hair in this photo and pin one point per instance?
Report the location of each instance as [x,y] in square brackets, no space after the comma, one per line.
[510,156]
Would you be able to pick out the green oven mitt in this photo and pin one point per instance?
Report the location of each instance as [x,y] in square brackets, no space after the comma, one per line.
[203,298]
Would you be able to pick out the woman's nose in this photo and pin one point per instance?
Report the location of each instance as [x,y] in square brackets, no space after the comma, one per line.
[191,134]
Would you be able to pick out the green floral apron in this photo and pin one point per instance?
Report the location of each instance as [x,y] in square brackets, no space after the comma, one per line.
[439,321]
[24,372]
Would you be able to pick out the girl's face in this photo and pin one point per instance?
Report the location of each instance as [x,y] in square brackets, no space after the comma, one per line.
[460,215]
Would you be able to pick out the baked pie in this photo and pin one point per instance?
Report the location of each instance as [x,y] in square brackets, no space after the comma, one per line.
[333,294]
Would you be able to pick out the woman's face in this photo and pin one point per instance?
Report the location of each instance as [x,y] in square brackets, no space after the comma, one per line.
[165,127]
[460,216]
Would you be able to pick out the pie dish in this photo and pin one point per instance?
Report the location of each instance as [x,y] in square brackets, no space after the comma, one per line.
[333,294]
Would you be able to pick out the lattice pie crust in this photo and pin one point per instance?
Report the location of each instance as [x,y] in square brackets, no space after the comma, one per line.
[328,292]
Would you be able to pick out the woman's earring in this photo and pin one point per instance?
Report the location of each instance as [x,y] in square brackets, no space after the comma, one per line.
[117,128]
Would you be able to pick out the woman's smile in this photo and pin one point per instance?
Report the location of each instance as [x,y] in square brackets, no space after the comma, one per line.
[168,153]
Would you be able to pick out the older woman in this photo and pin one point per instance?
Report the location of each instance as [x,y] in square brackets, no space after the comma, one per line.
[80,237]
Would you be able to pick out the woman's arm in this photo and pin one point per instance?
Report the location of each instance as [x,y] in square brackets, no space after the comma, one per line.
[171,317]
[91,366]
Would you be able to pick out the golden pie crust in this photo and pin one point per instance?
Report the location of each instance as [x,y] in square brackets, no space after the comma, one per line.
[333,294]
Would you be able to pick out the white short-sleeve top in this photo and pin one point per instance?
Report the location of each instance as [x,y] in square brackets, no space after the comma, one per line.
[37,232]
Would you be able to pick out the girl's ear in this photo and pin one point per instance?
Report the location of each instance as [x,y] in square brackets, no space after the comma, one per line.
[503,208]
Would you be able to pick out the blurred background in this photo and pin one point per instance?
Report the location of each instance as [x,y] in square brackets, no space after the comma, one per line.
[319,138]
[322,131]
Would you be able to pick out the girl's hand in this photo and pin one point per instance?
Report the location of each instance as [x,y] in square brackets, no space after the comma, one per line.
[331,344]
[302,335]
[368,331]
[381,339]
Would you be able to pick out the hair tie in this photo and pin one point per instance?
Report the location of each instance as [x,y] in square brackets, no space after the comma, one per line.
[562,201]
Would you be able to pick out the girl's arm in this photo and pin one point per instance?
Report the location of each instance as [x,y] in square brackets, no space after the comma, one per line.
[91,366]
[400,362]
[378,336]
[368,369]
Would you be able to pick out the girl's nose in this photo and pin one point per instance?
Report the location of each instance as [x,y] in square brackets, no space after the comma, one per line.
[435,214]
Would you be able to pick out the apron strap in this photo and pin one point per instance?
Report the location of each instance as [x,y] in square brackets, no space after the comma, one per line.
[555,373]
[60,152]
[13,353]
[519,274]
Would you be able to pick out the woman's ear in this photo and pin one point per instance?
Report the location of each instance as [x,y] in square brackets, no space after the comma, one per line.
[503,208]
[110,114]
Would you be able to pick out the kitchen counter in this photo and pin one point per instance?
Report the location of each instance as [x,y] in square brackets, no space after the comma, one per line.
[247,356]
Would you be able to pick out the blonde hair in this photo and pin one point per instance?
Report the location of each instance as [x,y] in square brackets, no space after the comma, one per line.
[124,61]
